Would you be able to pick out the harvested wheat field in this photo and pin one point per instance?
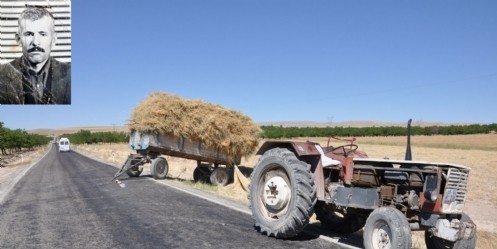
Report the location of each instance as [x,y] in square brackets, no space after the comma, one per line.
[475,151]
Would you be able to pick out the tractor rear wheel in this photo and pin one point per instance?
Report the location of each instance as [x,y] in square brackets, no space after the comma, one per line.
[282,194]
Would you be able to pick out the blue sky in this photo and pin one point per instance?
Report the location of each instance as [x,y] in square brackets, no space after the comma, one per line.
[281,60]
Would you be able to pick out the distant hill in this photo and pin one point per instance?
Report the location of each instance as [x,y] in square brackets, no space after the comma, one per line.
[60,131]
[357,123]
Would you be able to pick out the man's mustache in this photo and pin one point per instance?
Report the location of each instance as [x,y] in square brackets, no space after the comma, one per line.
[36,49]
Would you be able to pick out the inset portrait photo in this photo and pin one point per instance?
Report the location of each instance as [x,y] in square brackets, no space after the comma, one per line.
[35,52]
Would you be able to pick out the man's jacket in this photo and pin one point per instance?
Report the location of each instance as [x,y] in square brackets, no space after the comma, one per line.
[12,84]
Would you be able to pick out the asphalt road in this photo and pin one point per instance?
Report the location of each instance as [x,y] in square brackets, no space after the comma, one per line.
[67,200]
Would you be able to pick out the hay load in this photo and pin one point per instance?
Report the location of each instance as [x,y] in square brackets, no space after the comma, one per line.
[230,131]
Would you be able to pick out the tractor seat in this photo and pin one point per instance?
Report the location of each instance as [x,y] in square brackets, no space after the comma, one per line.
[326,161]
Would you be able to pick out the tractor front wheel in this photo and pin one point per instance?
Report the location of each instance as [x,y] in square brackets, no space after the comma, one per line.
[387,228]
[433,242]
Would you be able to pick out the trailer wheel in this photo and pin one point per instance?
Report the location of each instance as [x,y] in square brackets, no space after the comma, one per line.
[201,174]
[387,227]
[159,168]
[336,221]
[433,242]
[220,176]
[282,194]
[134,171]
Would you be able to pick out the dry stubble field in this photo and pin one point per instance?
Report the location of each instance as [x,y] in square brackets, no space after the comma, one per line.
[476,151]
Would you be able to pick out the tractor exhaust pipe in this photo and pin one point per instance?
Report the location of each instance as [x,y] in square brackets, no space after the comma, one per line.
[408,149]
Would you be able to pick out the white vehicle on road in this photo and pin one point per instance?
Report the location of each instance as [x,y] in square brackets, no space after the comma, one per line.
[64,145]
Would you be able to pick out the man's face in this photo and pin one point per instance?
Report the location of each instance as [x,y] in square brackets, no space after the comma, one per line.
[36,38]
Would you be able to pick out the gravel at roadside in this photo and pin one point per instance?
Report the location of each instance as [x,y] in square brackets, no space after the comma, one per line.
[15,170]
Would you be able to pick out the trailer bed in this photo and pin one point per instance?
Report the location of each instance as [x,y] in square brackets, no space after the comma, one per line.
[150,146]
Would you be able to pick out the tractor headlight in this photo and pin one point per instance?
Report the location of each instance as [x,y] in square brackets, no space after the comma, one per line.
[430,188]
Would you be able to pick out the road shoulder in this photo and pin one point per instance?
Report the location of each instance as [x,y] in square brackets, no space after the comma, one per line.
[13,172]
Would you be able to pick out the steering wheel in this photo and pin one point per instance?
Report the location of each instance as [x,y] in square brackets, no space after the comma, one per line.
[353,147]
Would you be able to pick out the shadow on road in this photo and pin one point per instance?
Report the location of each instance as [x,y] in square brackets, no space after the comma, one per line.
[311,232]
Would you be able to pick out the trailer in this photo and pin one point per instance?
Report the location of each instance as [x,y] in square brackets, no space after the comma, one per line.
[212,164]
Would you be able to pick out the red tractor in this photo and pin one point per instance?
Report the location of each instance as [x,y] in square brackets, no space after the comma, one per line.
[349,191]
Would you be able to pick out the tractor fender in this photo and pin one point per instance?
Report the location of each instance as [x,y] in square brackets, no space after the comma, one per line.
[299,148]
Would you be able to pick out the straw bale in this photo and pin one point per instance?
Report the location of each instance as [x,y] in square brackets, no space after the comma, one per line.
[232,132]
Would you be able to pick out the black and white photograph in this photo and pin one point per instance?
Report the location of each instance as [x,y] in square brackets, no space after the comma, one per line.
[35,52]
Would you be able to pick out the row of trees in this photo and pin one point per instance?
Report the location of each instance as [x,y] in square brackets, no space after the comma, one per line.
[289,132]
[16,140]
[12,141]
[88,137]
